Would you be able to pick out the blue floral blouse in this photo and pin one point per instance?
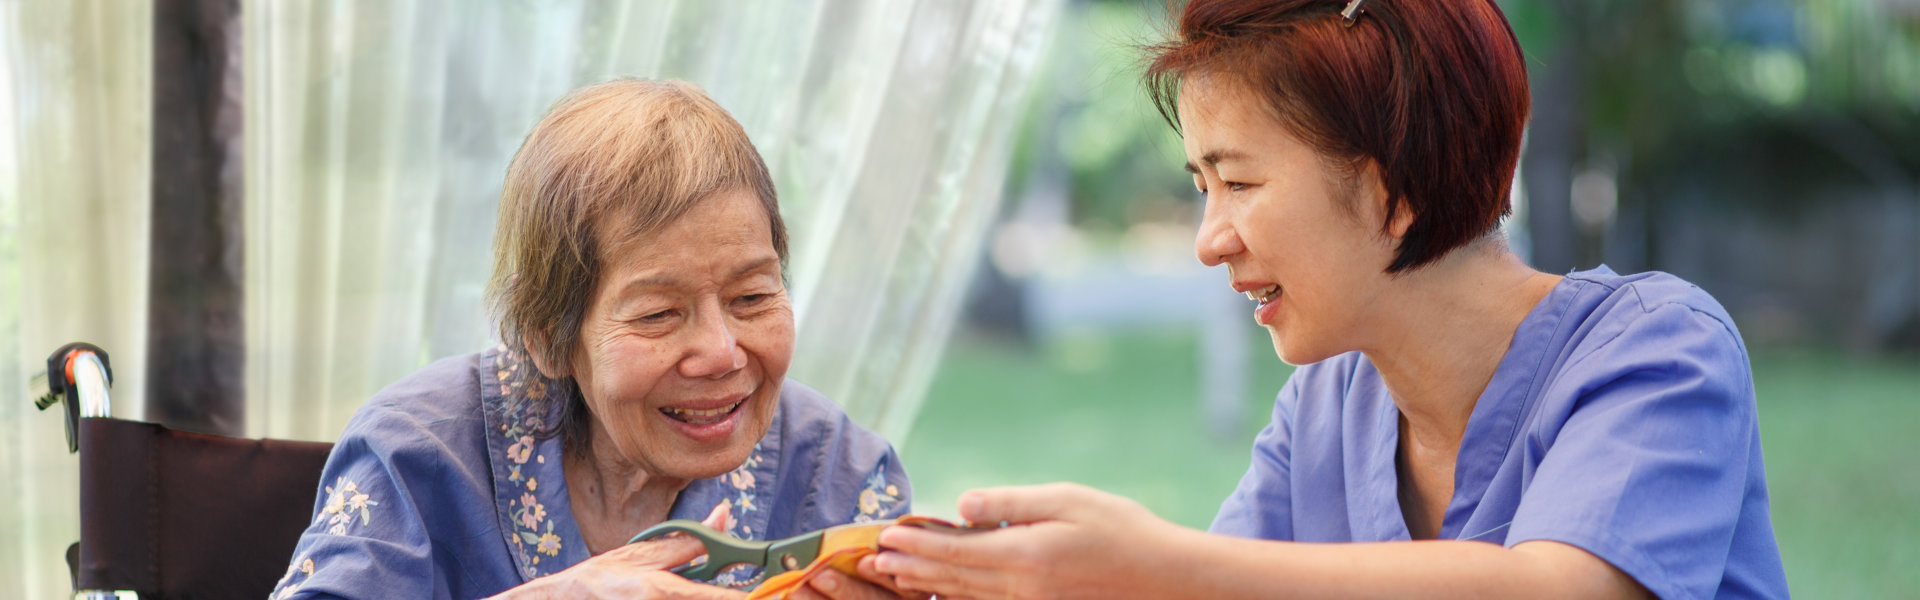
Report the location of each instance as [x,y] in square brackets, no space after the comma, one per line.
[439,487]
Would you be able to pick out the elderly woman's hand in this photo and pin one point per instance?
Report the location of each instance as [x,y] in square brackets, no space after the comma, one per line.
[1063,541]
[834,585]
[637,570]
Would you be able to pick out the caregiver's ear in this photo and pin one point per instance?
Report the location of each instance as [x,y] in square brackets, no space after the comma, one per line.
[1373,192]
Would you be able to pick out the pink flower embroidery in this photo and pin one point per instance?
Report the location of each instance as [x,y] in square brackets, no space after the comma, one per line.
[520,451]
[531,517]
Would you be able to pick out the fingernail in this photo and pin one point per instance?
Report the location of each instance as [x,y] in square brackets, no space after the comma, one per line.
[885,562]
[827,581]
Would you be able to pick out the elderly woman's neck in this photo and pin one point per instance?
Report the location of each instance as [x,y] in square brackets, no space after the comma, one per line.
[613,497]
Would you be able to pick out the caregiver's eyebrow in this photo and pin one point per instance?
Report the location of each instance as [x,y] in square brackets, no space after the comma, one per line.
[1213,158]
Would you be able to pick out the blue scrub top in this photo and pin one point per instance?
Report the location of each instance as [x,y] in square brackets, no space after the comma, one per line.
[1621,421]
[443,486]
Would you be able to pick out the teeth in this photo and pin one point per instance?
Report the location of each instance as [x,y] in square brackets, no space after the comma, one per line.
[1264,294]
[700,416]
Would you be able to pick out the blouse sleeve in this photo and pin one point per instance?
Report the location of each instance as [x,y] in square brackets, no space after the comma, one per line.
[1651,466]
[1261,507]
[885,493]
[367,538]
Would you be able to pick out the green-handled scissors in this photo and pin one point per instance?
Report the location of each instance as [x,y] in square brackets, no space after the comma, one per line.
[779,556]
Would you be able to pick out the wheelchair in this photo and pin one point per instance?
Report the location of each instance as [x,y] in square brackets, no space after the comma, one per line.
[175,514]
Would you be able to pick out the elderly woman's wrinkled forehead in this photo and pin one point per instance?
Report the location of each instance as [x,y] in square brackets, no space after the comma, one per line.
[623,226]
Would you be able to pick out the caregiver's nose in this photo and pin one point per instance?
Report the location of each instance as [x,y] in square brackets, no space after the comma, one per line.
[1216,240]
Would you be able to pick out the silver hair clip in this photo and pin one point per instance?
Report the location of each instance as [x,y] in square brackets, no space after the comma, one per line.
[1351,12]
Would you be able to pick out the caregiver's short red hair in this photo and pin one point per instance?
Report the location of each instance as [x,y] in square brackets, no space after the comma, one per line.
[1433,91]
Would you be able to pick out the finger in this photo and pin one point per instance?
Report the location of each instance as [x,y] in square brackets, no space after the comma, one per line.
[675,588]
[838,585]
[834,585]
[1023,504]
[804,592]
[721,516]
[918,574]
[872,574]
[662,552]
[979,549]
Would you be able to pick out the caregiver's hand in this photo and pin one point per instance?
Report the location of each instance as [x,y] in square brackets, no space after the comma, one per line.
[1064,540]
[636,570]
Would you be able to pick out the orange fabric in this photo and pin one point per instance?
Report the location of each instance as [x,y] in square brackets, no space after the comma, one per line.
[778,586]
[840,550]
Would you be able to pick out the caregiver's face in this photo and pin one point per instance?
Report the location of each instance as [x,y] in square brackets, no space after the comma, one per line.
[687,340]
[1306,247]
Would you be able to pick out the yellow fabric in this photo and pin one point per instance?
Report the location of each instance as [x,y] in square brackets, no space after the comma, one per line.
[841,550]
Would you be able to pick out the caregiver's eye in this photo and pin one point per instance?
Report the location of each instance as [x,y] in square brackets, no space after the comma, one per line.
[1234,186]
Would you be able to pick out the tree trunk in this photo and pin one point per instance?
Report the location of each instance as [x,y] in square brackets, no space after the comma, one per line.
[1553,143]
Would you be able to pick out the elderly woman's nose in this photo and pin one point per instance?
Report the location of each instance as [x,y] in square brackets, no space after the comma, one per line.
[1216,239]
[715,350]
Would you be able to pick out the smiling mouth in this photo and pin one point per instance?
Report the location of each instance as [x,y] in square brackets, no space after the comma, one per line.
[703,417]
[1265,294]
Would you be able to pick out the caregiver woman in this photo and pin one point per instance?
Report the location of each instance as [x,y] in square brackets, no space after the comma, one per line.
[1474,428]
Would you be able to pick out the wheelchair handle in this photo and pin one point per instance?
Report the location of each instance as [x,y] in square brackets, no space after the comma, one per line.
[82,375]
[90,379]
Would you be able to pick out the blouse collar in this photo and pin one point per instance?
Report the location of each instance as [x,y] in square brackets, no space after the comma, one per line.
[535,513]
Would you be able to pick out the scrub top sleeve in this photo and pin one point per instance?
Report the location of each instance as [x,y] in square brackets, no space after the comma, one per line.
[1649,469]
[366,539]
[1262,505]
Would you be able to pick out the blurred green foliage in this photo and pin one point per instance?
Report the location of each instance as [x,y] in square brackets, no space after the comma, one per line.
[1092,127]
[1766,101]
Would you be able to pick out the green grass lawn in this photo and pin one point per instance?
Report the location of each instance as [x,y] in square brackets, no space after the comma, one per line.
[1118,412]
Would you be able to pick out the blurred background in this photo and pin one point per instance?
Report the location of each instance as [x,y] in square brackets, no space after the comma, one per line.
[993,261]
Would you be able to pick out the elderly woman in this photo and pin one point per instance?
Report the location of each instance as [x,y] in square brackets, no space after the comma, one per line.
[647,331]
[1462,425]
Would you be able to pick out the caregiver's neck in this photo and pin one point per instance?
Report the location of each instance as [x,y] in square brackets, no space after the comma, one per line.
[1444,330]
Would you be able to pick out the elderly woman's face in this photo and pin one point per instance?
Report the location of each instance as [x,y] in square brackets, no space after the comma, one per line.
[687,340]
[1281,224]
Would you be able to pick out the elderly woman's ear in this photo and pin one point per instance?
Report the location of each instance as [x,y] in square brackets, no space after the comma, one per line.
[536,343]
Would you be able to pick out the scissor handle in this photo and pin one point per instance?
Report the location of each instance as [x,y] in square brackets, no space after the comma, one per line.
[722,550]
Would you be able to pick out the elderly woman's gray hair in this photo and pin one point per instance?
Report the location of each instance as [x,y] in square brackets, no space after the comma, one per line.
[609,163]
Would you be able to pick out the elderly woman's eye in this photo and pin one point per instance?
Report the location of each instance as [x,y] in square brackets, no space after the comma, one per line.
[657,317]
[751,299]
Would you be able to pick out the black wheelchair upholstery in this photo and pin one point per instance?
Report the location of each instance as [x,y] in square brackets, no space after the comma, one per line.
[174,514]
